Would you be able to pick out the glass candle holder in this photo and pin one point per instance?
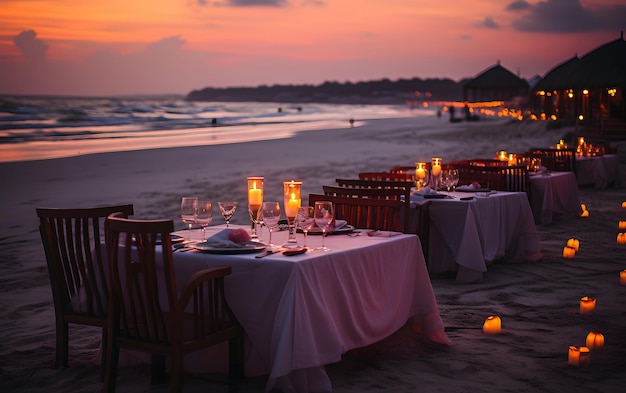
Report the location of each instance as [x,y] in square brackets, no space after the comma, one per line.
[421,175]
[291,202]
[435,172]
[255,200]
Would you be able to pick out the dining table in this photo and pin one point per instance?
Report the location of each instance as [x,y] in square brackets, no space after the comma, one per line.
[553,195]
[471,230]
[599,171]
[304,311]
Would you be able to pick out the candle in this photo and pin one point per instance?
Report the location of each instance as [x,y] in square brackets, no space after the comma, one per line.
[621,225]
[420,171]
[585,213]
[512,160]
[573,243]
[621,238]
[502,156]
[255,197]
[568,252]
[624,205]
[622,277]
[587,304]
[436,166]
[595,340]
[292,201]
[492,325]
[578,356]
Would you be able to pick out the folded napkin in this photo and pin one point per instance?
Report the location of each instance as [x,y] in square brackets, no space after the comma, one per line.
[377,233]
[469,187]
[425,191]
[229,238]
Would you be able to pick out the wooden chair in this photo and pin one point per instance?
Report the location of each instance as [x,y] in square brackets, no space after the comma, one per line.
[555,159]
[72,241]
[146,312]
[387,176]
[496,177]
[366,213]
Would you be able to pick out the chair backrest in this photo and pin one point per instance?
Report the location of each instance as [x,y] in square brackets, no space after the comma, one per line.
[501,178]
[387,176]
[365,213]
[555,159]
[72,241]
[379,189]
[145,302]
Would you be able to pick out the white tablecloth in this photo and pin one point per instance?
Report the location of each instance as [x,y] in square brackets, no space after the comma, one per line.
[468,235]
[554,194]
[302,312]
[599,171]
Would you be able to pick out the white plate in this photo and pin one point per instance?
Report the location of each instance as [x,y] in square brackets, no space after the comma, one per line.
[249,248]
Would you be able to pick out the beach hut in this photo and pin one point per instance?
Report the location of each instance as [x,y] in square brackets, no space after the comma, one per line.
[496,84]
[588,90]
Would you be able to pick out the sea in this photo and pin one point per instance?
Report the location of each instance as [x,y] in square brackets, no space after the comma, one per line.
[37,128]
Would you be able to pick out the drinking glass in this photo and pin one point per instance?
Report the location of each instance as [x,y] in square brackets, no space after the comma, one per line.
[305,220]
[270,211]
[255,199]
[449,178]
[227,208]
[204,215]
[324,215]
[187,210]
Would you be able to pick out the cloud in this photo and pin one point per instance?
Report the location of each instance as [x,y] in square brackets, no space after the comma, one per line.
[488,23]
[32,48]
[566,16]
[246,3]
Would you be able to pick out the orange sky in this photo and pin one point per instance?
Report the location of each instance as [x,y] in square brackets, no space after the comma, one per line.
[87,47]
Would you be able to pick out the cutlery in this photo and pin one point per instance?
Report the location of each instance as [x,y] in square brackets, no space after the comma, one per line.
[265,253]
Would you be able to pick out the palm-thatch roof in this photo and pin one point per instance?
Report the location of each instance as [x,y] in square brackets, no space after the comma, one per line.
[496,77]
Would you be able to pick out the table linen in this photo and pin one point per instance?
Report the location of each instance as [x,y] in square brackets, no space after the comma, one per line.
[554,194]
[467,235]
[302,312]
[599,171]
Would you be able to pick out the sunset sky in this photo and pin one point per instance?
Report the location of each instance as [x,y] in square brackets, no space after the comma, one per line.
[120,47]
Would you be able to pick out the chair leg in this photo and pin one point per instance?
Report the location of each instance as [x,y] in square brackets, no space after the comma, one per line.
[158,375]
[111,364]
[62,350]
[176,372]
[104,346]
[235,362]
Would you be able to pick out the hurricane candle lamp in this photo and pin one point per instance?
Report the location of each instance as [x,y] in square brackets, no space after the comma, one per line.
[421,178]
[291,202]
[621,225]
[621,238]
[435,171]
[255,200]
[502,155]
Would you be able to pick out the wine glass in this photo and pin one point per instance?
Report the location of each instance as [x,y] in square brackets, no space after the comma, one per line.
[449,178]
[305,220]
[227,208]
[187,212]
[270,211]
[324,215]
[204,215]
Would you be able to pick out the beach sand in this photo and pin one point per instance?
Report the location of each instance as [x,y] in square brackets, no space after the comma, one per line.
[538,302]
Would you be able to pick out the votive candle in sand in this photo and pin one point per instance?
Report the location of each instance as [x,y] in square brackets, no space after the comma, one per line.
[595,340]
[569,252]
[624,205]
[621,225]
[578,356]
[573,243]
[587,304]
[622,277]
[492,325]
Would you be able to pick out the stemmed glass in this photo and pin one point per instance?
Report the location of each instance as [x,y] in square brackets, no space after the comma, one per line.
[227,208]
[450,178]
[323,215]
[305,220]
[270,211]
[187,211]
[204,215]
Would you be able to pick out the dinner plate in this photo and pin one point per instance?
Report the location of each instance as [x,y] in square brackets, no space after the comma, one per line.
[317,231]
[484,189]
[248,248]
[435,196]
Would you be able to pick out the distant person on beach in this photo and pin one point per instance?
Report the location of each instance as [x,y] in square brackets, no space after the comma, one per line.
[351,122]
[439,113]
[451,110]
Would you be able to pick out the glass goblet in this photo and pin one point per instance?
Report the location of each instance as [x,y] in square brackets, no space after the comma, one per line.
[204,215]
[270,211]
[305,220]
[227,208]
[323,215]
[187,212]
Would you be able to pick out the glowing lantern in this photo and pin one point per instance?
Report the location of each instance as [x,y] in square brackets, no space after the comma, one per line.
[573,243]
[492,325]
[583,207]
[587,304]
[578,356]
[621,238]
[569,252]
[595,340]
[622,225]
[622,277]
[624,205]
[585,213]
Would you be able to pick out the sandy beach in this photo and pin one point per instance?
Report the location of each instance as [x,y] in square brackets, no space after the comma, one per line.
[538,302]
